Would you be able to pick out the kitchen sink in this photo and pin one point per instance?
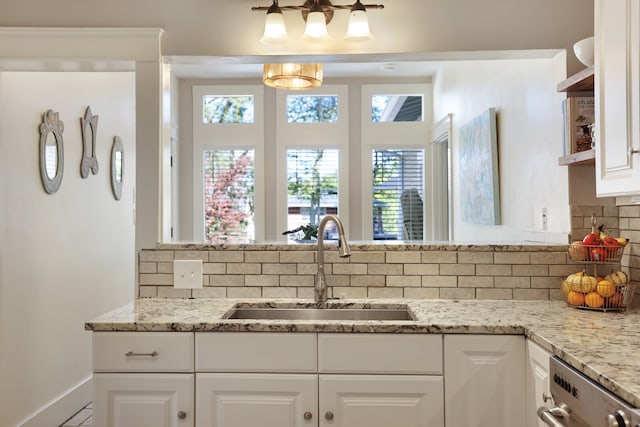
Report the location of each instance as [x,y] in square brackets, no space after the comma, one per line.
[346,312]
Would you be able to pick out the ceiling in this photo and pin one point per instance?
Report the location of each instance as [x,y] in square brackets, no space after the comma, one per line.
[399,65]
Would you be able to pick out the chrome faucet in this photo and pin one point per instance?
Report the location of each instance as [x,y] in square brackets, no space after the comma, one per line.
[343,251]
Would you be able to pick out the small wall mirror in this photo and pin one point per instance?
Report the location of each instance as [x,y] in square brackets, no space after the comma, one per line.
[89,128]
[117,167]
[51,151]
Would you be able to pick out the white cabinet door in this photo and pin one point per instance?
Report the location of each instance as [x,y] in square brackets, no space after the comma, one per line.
[381,401]
[264,400]
[617,94]
[143,400]
[537,364]
[484,380]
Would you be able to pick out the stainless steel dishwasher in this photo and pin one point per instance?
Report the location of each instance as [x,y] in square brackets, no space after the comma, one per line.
[581,402]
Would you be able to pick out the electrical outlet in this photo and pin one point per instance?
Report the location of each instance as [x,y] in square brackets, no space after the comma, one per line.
[187,274]
[544,219]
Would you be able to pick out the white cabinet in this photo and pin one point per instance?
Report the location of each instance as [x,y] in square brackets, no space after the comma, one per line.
[381,401]
[140,400]
[537,375]
[380,380]
[312,380]
[143,379]
[265,400]
[282,379]
[484,380]
[617,94]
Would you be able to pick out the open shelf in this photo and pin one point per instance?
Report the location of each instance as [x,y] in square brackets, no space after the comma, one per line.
[580,82]
[581,158]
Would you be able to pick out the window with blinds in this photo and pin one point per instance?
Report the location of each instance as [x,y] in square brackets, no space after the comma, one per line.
[229,200]
[312,187]
[398,194]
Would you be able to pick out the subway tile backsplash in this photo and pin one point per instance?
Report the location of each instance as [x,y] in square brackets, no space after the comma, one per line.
[527,272]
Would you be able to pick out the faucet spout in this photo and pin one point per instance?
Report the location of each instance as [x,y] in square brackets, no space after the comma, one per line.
[343,251]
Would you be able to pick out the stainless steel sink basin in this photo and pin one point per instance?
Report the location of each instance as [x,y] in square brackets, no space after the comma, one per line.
[331,313]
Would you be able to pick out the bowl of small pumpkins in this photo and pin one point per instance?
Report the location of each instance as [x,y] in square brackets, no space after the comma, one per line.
[611,292]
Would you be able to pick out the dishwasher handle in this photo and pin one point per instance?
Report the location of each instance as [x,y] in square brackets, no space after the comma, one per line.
[550,415]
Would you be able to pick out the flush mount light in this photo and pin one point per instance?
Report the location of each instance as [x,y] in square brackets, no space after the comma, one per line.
[292,76]
[317,14]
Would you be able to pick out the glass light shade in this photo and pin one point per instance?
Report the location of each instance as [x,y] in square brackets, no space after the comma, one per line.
[292,76]
[316,27]
[274,29]
[358,28]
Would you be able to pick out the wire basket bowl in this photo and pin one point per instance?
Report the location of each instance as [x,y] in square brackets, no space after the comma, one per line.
[591,294]
[579,252]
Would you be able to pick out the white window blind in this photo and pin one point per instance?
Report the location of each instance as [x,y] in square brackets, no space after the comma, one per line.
[312,186]
[398,194]
[229,199]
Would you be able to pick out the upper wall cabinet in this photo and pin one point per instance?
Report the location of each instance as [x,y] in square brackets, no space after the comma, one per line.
[617,94]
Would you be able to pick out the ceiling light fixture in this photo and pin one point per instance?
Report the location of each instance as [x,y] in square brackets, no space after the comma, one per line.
[317,14]
[292,76]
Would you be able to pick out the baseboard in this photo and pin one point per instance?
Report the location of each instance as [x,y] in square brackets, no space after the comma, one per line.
[63,407]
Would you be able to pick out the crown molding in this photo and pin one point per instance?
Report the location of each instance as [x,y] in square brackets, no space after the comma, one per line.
[119,44]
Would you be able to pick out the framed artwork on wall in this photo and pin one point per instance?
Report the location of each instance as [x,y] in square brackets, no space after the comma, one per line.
[479,177]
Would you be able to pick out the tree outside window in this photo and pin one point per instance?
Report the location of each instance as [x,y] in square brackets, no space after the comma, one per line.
[229,195]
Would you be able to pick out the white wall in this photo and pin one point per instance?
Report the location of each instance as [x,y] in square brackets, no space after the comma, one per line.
[64,258]
[529,139]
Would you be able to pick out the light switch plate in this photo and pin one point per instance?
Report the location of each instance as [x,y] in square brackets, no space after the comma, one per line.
[187,274]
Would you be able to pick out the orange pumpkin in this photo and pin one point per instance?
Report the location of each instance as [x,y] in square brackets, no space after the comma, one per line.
[605,288]
[615,301]
[594,300]
[575,298]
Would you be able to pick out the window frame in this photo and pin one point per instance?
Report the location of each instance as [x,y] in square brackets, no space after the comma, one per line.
[384,135]
[316,138]
[228,136]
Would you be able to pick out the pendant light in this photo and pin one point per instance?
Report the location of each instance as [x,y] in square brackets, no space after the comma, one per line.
[292,76]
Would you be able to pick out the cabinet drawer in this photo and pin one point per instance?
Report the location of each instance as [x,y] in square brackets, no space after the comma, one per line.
[380,353]
[143,352]
[256,352]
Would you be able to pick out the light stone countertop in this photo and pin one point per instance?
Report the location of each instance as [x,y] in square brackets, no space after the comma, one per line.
[605,346]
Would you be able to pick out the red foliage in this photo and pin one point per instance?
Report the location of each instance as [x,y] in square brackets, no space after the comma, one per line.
[225,190]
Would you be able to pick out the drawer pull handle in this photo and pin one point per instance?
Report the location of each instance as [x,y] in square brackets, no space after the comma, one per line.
[182,415]
[132,354]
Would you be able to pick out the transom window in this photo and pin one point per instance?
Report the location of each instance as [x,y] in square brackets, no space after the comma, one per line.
[396,108]
[227,109]
[312,109]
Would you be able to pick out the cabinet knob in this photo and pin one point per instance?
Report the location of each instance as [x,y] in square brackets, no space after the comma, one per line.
[308,415]
[182,415]
[631,151]
[328,415]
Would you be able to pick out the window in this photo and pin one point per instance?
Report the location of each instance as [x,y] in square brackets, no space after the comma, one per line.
[312,109]
[398,194]
[312,186]
[229,202]
[396,108]
[227,109]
